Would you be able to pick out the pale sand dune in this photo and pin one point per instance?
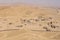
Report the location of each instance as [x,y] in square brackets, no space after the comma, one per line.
[14,13]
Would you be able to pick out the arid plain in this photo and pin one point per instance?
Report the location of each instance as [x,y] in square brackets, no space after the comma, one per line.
[24,22]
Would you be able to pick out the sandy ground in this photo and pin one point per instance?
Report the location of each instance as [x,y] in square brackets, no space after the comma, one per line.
[13,13]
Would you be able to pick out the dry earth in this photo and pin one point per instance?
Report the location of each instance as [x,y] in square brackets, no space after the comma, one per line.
[29,23]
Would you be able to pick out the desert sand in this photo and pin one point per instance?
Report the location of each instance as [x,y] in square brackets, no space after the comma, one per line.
[34,30]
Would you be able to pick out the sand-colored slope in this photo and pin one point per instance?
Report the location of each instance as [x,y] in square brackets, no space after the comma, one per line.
[12,14]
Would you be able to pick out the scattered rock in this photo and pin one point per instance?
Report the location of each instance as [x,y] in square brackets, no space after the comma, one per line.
[10,23]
